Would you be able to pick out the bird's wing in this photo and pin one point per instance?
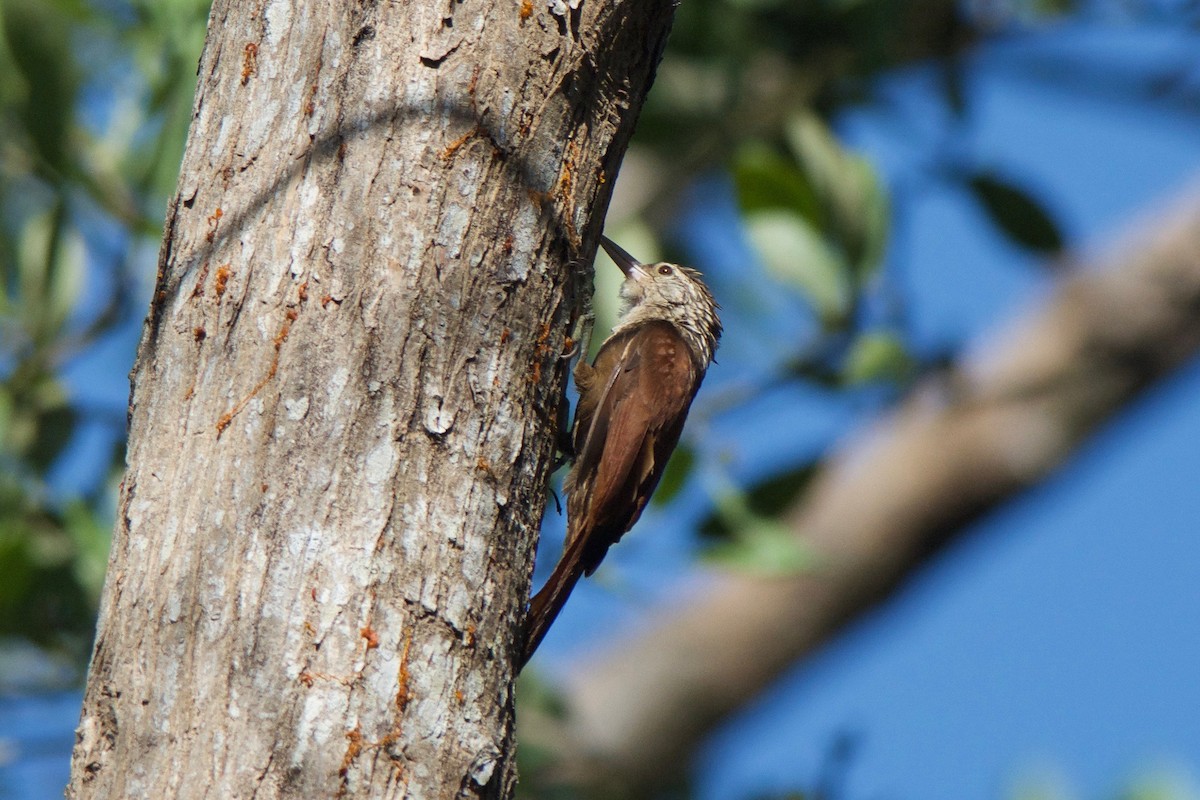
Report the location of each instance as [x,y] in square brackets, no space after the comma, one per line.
[591,428]
[634,428]
[624,435]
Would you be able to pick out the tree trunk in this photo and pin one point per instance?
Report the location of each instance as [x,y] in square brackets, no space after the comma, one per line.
[343,404]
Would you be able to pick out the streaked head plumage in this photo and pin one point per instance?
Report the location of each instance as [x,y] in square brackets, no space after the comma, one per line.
[665,291]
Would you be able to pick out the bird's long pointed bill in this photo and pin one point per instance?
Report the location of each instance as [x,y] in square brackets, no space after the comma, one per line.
[622,259]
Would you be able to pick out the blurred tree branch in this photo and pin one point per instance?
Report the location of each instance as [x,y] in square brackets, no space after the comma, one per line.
[1002,420]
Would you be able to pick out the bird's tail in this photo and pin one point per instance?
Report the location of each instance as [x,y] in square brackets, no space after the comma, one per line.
[545,605]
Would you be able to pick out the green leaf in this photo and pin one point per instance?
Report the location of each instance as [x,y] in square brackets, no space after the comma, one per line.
[952,73]
[766,180]
[33,400]
[854,204]
[92,538]
[1016,213]
[50,269]
[38,37]
[770,498]
[766,550]
[67,275]
[795,254]
[39,596]
[865,222]
[877,357]
[759,544]
[7,413]
[675,476]
[819,153]
[54,429]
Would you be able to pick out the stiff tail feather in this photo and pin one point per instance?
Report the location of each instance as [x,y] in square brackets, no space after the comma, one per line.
[545,605]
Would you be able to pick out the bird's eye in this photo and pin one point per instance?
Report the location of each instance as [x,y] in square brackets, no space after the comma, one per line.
[665,269]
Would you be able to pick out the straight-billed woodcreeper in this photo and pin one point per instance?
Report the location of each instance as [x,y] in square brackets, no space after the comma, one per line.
[633,400]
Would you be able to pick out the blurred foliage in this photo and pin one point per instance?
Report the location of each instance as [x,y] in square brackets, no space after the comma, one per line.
[94,103]
[755,88]
[1016,213]
[765,499]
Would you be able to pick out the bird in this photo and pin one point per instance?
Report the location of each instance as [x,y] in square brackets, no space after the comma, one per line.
[633,400]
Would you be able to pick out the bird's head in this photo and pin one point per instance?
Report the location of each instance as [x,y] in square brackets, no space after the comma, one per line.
[665,291]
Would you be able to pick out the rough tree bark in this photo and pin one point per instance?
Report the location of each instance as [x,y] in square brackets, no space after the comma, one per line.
[1004,419]
[344,399]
